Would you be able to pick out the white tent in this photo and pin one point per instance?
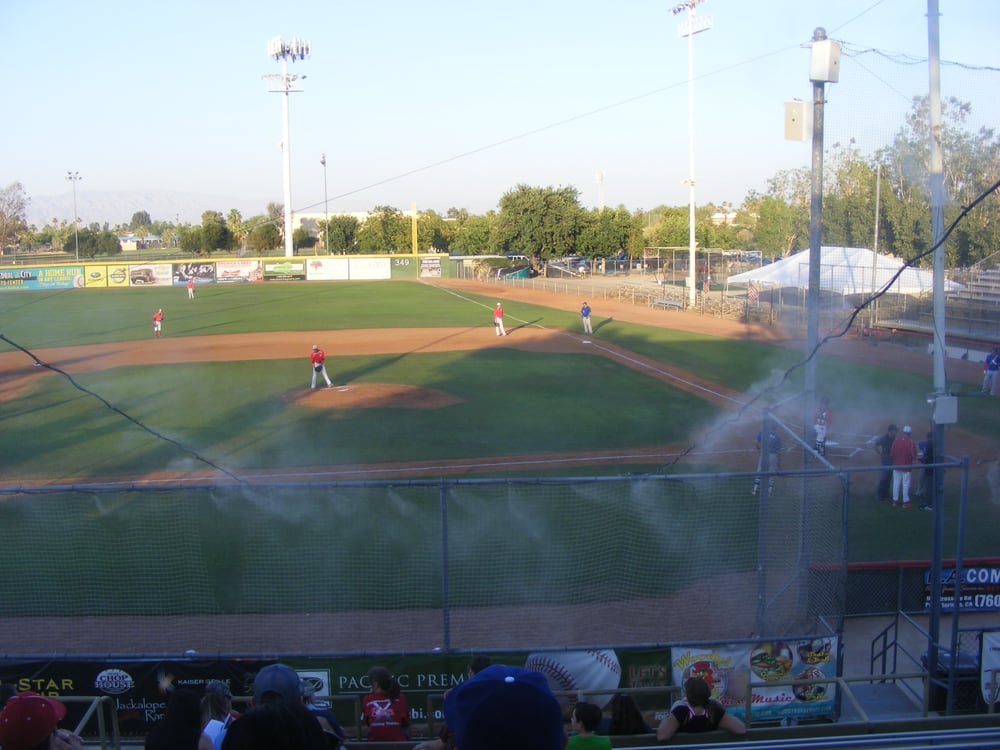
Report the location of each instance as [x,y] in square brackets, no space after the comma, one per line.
[846,270]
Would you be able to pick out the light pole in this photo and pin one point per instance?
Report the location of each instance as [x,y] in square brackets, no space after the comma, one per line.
[75,177]
[326,206]
[688,29]
[297,49]
[824,67]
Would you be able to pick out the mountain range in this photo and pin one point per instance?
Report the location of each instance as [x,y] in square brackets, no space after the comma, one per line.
[117,207]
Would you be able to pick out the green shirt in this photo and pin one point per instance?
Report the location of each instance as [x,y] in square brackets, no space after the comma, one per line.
[588,742]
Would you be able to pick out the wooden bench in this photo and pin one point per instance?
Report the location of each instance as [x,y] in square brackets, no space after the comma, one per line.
[667,304]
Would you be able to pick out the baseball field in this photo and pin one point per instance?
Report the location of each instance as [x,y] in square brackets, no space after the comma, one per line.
[423,389]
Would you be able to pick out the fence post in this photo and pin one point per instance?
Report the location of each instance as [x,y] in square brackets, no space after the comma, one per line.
[445,603]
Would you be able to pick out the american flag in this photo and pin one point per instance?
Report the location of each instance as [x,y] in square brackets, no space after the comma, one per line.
[752,292]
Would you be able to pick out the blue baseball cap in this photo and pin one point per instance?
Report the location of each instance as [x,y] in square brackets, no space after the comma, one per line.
[505,707]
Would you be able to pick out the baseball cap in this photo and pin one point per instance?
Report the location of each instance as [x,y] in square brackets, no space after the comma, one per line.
[28,719]
[315,346]
[279,679]
[907,429]
[505,707]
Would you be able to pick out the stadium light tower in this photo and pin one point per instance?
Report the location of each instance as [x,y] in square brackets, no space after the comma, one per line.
[297,49]
[692,25]
[75,177]
[326,205]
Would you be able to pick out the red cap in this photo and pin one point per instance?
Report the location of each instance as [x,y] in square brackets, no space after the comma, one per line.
[27,719]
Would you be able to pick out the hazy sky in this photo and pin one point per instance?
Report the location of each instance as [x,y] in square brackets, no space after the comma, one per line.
[453,103]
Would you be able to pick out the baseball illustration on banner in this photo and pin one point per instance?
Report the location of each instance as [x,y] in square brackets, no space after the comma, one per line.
[593,669]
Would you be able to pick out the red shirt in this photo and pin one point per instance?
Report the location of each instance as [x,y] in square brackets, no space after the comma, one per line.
[157,316]
[498,312]
[386,717]
[317,356]
[903,451]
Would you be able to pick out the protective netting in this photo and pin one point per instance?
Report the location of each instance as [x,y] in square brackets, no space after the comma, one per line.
[457,563]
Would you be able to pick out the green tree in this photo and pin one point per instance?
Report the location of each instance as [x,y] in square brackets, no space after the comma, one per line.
[108,244]
[238,230]
[385,230]
[433,232]
[475,235]
[603,232]
[215,234]
[264,238]
[140,219]
[303,240]
[542,222]
[13,210]
[343,233]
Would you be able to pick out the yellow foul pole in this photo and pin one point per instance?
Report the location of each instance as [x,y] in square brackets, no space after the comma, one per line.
[413,227]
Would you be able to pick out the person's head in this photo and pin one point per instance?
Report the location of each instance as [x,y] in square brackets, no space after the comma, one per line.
[275,726]
[382,681]
[315,347]
[478,664]
[892,429]
[277,683]
[697,692]
[217,701]
[626,718]
[586,716]
[504,707]
[28,721]
[907,430]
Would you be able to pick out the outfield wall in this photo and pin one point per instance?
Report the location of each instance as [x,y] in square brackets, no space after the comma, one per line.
[105,275]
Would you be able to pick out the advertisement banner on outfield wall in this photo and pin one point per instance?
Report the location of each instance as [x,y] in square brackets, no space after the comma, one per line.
[328,269]
[95,277]
[284,270]
[199,273]
[980,589]
[780,672]
[238,271]
[370,269]
[430,267]
[55,277]
[150,274]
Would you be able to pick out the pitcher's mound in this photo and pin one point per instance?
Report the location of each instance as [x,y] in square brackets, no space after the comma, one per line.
[374,396]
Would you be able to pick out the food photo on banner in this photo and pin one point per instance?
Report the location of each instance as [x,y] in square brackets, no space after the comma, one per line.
[729,670]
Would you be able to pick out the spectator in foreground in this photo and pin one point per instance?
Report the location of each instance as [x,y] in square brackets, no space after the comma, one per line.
[884,448]
[277,696]
[583,723]
[181,726]
[276,725]
[335,733]
[626,718]
[217,711]
[697,712]
[384,709]
[30,721]
[446,738]
[503,708]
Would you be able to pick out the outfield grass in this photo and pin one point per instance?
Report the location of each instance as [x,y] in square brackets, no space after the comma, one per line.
[236,415]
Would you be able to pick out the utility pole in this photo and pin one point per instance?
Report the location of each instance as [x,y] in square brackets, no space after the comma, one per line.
[75,177]
[824,67]
[326,205]
[297,49]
